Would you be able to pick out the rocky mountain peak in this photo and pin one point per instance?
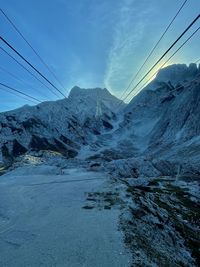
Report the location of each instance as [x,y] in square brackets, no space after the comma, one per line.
[77,92]
[177,73]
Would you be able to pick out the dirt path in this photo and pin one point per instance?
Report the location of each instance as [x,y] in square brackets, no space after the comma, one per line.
[42,222]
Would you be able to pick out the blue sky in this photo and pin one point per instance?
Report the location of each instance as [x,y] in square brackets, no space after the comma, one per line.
[90,43]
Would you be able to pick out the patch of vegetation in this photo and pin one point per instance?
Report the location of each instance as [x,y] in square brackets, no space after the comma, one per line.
[183,213]
[138,213]
[189,211]
[104,200]
[154,182]
[107,207]
[91,199]
[138,241]
[192,208]
[87,207]
[157,190]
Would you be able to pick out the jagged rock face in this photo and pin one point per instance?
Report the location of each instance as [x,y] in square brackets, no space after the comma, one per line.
[61,126]
[84,102]
[178,73]
[180,121]
[163,120]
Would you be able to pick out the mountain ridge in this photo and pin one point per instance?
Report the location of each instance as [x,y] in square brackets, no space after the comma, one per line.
[72,122]
[56,124]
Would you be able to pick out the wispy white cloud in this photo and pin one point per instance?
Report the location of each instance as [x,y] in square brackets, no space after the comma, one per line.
[128,34]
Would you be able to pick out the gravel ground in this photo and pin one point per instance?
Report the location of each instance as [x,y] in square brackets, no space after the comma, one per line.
[43,223]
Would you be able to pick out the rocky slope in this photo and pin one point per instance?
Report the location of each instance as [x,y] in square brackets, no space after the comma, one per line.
[62,126]
[162,122]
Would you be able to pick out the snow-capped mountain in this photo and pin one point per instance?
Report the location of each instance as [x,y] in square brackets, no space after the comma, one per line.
[84,102]
[178,73]
[61,125]
[163,121]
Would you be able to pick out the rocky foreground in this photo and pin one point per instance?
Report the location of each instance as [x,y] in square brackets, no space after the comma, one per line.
[158,217]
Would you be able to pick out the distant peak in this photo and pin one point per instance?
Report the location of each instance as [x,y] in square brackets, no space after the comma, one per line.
[84,91]
[106,90]
[75,88]
[177,72]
